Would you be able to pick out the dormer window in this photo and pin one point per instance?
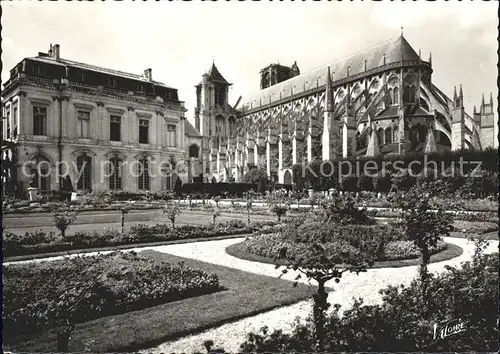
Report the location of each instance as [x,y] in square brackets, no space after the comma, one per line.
[80,75]
[111,82]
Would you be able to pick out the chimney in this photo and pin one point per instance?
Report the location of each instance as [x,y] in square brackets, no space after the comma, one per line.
[56,52]
[148,74]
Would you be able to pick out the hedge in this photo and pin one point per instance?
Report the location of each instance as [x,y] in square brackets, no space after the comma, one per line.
[41,242]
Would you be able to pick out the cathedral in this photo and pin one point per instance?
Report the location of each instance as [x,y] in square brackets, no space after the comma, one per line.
[111,130]
[378,101]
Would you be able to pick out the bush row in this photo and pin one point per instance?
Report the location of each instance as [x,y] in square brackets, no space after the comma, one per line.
[42,242]
[38,295]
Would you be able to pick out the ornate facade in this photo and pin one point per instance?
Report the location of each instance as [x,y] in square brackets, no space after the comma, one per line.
[379,101]
[108,129]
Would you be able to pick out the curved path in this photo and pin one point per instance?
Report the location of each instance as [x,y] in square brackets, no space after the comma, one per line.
[365,285]
[230,336]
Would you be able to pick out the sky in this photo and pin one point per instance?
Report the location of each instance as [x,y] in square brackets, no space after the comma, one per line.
[179,40]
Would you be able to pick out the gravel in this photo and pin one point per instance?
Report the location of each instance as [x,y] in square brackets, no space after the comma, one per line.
[365,285]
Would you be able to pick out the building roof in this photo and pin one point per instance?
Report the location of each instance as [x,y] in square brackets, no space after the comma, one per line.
[84,66]
[395,50]
[190,130]
[216,76]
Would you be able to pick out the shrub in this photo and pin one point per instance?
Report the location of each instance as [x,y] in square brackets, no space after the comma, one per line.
[396,325]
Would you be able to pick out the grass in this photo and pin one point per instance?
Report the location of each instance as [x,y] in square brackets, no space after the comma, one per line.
[450,252]
[247,294]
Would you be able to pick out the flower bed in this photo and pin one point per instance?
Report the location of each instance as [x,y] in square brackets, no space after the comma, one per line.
[391,244]
[41,242]
[38,295]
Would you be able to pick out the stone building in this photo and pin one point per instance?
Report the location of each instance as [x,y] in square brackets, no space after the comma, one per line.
[376,102]
[110,129]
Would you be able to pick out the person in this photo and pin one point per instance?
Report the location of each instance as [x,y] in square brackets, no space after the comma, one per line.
[67,187]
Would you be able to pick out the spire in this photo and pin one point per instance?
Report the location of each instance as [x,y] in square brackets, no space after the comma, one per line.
[475,110]
[491,98]
[454,93]
[461,92]
[329,92]
[401,31]
[482,101]
[430,58]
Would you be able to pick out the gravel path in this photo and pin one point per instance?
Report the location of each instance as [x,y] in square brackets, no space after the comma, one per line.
[230,336]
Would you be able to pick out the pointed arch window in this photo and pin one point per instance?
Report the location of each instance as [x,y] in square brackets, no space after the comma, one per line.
[380,135]
[388,136]
[395,97]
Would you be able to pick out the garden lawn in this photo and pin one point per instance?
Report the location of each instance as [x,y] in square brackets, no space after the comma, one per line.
[247,294]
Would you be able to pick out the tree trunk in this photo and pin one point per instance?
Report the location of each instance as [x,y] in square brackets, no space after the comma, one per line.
[63,231]
[319,314]
[279,217]
[63,341]
[424,275]
[173,223]
[249,216]
[123,223]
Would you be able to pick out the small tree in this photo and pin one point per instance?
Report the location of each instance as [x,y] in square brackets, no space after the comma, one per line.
[279,203]
[215,214]
[216,200]
[172,211]
[63,218]
[422,225]
[298,196]
[322,255]
[249,208]
[123,210]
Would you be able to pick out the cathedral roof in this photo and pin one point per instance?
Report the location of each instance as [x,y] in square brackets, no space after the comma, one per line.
[216,76]
[190,130]
[393,50]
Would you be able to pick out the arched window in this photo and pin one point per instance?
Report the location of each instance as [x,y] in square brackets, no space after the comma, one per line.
[287,178]
[388,136]
[170,181]
[380,135]
[84,172]
[220,126]
[390,96]
[395,99]
[421,134]
[116,173]
[144,180]
[406,94]
[232,126]
[40,170]
[194,151]
[413,94]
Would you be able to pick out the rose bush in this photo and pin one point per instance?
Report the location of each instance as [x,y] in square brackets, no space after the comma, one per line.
[389,241]
[36,294]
